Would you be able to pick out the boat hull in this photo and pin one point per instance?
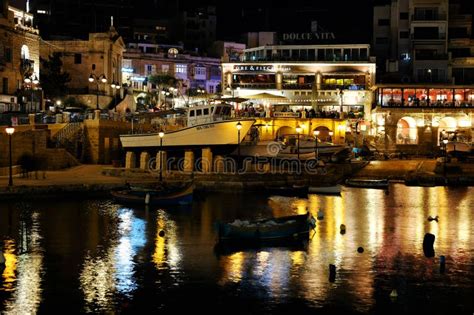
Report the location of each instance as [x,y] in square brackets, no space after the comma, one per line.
[325,190]
[211,134]
[269,231]
[176,198]
[368,183]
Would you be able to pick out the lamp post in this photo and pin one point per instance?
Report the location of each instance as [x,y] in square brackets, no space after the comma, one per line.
[115,86]
[10,130]
[316,151]
[445,143]
[298,131]
[97,80]
[31,81]
[238,126]
[161,134]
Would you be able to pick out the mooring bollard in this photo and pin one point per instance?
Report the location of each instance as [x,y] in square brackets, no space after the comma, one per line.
[147,199]
[332,273]
[343,229]
[442,263]
[428,242]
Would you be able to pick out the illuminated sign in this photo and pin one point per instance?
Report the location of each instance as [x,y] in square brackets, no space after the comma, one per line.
[128,70]
[138,79]
[253,68]
[308,36]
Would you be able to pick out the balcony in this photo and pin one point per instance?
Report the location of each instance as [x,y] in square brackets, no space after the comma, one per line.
[431,57]
[435,38]
[429,17]
[254,85]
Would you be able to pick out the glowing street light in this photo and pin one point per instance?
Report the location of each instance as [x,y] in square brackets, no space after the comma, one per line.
[161,134]
[239,127]
[10,130]
[316,134]
[100,79]
[298,131]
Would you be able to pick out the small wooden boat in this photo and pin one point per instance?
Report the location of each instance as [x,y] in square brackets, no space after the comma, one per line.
[289,191]
[269,231]
[162,196]
[325,190]
[367,183]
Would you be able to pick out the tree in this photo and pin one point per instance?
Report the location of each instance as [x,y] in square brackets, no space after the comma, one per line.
[53,79]
[162,81]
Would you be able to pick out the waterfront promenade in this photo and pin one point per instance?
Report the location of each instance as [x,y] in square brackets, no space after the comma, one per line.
[101,178]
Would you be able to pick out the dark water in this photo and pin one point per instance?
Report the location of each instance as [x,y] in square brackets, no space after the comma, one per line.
[97,256]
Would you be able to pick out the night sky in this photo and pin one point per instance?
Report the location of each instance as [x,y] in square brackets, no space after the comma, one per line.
[351,21]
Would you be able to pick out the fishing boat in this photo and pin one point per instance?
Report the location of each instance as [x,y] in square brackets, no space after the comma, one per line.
[367,183]
[267,231]
[325,190]
[204,125]
[161,196]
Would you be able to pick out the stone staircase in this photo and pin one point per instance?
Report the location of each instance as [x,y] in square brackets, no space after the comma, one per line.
[71,138]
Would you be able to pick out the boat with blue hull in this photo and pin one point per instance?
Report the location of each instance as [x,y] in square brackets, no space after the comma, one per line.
[162,196]
[271,231]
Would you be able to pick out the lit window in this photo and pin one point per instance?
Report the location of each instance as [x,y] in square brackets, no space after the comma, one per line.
[180,68]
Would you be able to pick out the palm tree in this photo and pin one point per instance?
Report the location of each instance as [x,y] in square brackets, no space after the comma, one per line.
[162,81]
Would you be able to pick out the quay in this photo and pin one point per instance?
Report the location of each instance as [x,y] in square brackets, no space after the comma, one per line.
[100,179]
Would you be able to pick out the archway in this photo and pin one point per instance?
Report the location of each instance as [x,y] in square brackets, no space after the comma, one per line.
[446,126]
[323,133]
[407,132]
[285,130]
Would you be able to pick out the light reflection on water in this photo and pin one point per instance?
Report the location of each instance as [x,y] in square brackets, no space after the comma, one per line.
[123,256]
[24,270]
[112,270]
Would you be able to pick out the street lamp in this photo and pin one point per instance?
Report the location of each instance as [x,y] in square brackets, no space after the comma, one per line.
[31,81]
[161,134]
[238,126]
[97,80]
[115,86]
[445,142]
[331,134]
[316,134]
[10,130]
[298,131]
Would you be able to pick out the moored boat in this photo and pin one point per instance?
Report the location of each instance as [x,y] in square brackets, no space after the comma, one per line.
[367,183]
[325,190]
[269,231]
[206,125]
[164,196]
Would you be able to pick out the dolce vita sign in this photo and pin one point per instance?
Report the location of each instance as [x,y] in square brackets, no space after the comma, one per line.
[308,36]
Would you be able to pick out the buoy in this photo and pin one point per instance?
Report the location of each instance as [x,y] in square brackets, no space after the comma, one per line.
[442,264]
[430,218]
[2,259]
[147,199]
[393,294]
[161,233]
[343,229]
[360,250]
[320,215]
[332,273]
[428,242]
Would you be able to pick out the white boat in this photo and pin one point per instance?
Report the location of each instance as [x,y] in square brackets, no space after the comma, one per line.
[367,183]
[325,190]
[206,125]
[307,144]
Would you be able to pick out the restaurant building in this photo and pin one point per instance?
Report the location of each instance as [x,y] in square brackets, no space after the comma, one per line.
[335,78]
[415,117]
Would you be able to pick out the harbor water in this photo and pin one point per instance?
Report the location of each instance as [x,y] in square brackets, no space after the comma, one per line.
[96,256]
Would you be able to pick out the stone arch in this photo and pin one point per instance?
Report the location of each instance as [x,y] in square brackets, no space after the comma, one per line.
[407,132]
[285,130]
[323,132]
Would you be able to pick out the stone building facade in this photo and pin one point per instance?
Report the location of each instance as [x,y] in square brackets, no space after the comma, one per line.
[19,58]
[100,55]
